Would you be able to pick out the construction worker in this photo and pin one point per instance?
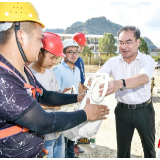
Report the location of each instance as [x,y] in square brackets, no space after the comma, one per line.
[23,122]
[67,74]
[52,49]
[81,40]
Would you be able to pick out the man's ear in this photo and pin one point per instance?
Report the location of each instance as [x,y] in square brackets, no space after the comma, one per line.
[138,42]
[40,54]
[20,36]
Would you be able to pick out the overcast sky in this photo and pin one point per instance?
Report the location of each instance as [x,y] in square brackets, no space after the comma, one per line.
[63,13]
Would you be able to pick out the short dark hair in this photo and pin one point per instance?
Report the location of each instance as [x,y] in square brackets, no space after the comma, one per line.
[43,51]
[6,35]
[135,30]
[26,26]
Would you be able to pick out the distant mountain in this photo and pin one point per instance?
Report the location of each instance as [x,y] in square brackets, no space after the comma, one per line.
[76,24]
[58,30]
[150,44]
[97,26]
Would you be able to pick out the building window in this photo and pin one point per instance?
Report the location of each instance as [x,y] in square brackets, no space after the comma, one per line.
[96,41]
[92,40]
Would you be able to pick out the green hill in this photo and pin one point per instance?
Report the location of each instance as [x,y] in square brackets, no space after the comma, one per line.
[76,24]
[97,26]
[149,43]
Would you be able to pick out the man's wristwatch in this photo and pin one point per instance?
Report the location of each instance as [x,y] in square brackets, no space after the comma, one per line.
[124,85]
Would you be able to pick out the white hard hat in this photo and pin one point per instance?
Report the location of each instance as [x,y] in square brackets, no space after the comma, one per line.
[69,43]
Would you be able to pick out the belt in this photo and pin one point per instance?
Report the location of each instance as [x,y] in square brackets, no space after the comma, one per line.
[135,106]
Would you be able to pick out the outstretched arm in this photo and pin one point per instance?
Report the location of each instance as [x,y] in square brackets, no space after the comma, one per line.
[58,99]
[39,121]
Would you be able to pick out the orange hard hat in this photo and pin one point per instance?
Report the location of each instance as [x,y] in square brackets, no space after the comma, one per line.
[80,38]
[53,44]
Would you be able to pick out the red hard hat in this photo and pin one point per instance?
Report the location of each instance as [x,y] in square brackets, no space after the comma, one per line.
[53,44]
[80,38]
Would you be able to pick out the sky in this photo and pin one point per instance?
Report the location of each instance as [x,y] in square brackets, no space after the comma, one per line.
[63,13]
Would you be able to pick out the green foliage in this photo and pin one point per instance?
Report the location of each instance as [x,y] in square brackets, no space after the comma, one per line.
[143,46]
[97,61]
[105,57]
[156,58]
[106,44]
[87,52]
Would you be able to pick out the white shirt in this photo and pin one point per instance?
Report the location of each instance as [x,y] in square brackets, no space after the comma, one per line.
[49,82]
[119,69]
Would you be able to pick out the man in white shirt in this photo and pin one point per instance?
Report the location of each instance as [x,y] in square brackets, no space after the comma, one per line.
[132,72]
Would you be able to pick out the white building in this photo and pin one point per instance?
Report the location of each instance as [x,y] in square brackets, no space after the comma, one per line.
[155,52]
[92,41]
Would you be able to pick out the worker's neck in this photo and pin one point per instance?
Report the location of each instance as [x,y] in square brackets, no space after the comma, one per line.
[11,53]
[37,67]
[71,65]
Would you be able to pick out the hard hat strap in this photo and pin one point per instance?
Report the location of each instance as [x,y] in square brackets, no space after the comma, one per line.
[16,28]
[68,60]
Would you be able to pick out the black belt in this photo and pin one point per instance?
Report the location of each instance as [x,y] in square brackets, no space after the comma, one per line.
[134,106]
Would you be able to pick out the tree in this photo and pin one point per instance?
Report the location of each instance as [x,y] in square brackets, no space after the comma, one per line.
[143,46]
[106,44]
[87,52]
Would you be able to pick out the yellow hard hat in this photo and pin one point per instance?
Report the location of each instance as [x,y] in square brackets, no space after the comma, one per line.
[18,11]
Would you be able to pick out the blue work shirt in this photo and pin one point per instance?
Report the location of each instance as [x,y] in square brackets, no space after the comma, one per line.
[66,77]
[79,63]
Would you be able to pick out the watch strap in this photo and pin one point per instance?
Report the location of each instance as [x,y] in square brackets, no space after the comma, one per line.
[124,83]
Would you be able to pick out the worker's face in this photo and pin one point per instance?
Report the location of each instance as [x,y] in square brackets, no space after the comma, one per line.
[47,60]
[81,47]
[128,45]
[69,54]
[32,44]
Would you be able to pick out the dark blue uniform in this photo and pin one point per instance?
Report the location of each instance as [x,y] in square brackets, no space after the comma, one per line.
[79,63]
[14,103]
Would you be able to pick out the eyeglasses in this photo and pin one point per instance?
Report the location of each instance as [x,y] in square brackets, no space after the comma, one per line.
[127,44]
[71,52]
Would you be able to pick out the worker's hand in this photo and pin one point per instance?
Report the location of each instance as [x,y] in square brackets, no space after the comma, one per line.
[66,89]
[94,111]
[113,86]
[84,87]
[80,97]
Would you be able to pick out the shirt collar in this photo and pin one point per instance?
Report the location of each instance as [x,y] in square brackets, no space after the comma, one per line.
[139,56]
[67,66]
